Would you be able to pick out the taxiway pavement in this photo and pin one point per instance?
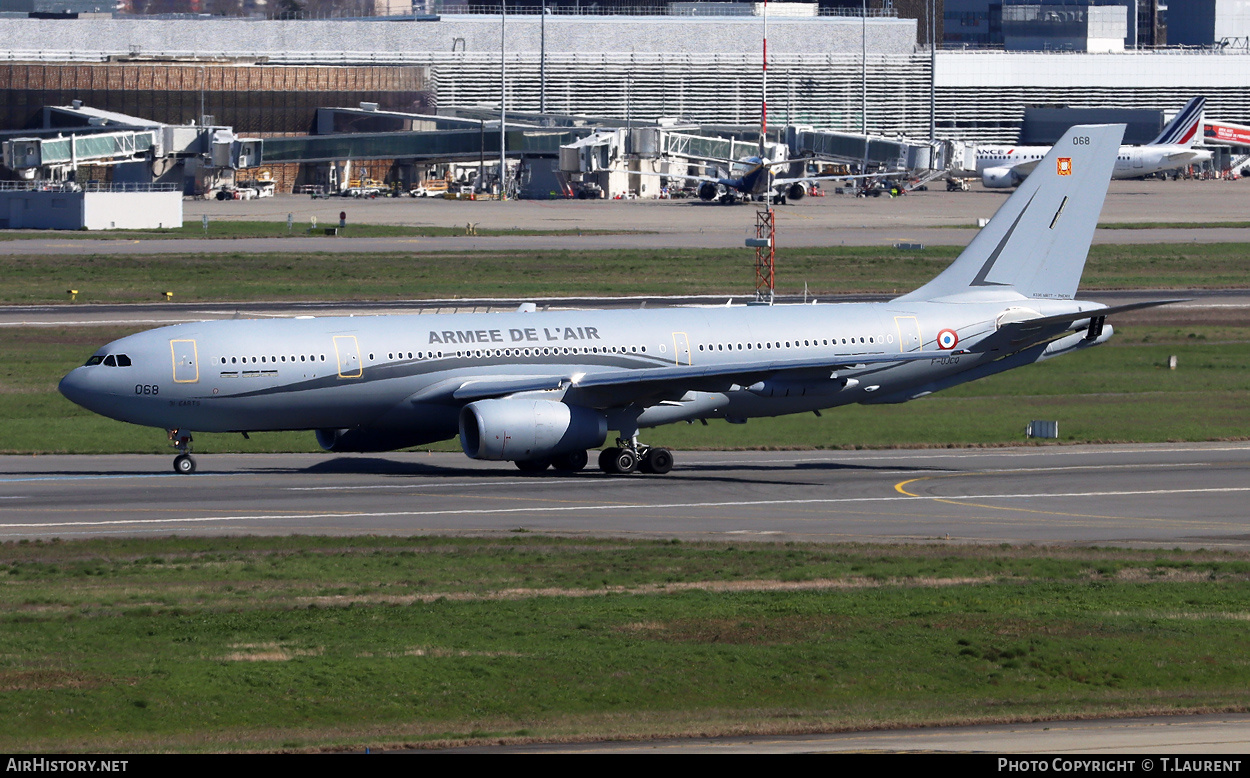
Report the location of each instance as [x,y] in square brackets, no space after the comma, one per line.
[932,218]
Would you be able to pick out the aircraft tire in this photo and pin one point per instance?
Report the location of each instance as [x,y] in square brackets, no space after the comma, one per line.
[532,465]
[606,459]
[657,461]
[184,464]
[571,462]
[624,462]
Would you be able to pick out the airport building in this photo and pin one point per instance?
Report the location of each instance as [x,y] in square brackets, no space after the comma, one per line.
[829,68]
[837,72]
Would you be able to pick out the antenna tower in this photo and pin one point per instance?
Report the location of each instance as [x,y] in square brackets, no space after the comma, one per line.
[765,223]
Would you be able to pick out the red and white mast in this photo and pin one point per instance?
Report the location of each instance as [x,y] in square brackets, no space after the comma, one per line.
[765,225]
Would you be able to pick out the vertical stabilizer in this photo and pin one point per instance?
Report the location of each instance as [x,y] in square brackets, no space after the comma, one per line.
[1184,127]
[1036,244]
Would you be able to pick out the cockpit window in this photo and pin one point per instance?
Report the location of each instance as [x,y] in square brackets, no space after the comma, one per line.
[123,360]
[110,361]
[94,360]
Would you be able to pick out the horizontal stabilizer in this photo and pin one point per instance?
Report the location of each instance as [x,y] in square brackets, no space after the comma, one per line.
[1013,336]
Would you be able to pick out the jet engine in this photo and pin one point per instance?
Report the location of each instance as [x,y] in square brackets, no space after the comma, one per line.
[708,191]
[1000,177]
[522,429]
[796,191]
[364,439]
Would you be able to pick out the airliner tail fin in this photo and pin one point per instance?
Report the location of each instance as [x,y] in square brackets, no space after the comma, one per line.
[1037,242]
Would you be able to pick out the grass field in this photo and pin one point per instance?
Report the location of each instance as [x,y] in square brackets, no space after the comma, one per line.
[187,644]
[833,270]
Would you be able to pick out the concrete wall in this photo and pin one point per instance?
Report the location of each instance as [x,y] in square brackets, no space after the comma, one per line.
[382,42]
[51,210]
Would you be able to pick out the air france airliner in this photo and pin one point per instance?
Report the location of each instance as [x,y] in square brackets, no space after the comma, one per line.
[541,388]
[1006,166]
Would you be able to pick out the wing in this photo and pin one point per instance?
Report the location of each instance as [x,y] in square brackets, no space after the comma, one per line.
[1024,168]
[777,181]
[650,385]
[686,176]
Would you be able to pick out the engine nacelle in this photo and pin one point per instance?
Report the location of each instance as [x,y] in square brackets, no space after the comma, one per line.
[708,191]
[796,191]
[365,440]
[516,429]
[1000,177]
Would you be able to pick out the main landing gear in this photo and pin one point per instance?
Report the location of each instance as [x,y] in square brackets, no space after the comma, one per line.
[184,463]
[628,456]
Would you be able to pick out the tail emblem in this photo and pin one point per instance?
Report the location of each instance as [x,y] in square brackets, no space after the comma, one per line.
[1064,166]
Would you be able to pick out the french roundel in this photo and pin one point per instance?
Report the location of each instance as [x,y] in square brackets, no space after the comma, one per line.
[947,339]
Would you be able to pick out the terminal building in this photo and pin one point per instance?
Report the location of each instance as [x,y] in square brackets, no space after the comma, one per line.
[837,72]
[830,67]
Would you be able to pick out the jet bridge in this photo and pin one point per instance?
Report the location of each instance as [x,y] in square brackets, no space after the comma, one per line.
[870,152]
[600,158]
[26,156]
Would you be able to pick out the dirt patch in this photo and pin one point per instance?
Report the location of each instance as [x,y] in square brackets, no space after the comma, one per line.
[266,652]
[41,680]
[821,584]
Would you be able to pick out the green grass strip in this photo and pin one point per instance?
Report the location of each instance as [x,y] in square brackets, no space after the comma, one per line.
[824,270]
[187,644]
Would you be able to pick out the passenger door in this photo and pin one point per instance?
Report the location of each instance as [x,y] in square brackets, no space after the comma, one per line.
[681,348]
[347,352]
[186,361]
[908,333]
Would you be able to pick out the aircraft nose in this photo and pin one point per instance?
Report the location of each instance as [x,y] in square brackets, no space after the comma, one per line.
[74,387]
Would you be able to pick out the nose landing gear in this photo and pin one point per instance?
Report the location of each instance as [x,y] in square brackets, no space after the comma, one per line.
[184,463]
